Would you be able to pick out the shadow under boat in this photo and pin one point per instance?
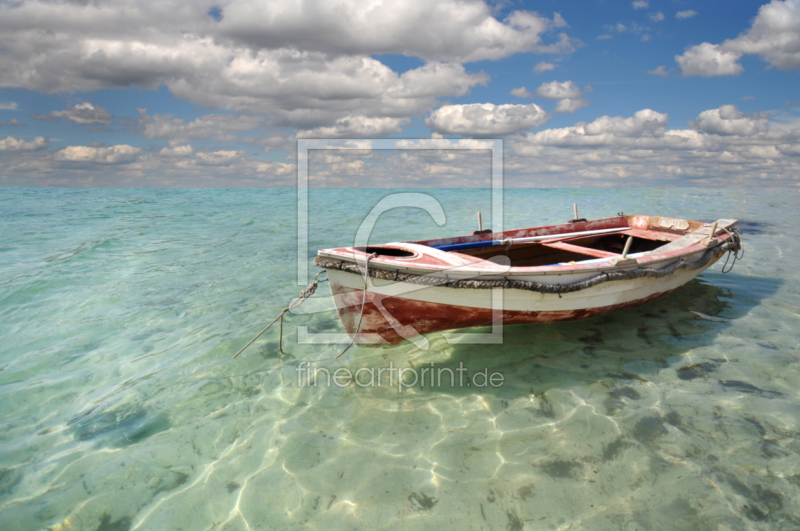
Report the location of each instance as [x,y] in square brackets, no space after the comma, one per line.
[538,357]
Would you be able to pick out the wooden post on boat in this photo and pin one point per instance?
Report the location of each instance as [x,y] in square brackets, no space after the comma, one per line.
[480,226]
[627,247]
[576,219]
[710,239]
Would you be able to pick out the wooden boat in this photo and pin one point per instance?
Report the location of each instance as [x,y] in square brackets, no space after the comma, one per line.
[385,294]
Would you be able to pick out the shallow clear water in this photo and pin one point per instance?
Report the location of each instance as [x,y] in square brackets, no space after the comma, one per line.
[120,406]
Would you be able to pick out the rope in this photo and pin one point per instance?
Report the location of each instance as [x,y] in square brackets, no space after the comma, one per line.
[528,285]
[363,302]
[736,239]
[305,294]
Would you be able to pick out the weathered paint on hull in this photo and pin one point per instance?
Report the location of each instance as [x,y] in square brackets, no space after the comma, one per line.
[427,317]
[394,311]
[391,319]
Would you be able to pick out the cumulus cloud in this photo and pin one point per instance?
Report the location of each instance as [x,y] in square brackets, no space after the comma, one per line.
[303,67]
[522,92]
[728,120]
[724,146]
[569,106]
[660,72]
[85,113]
[8,106]
[606,130]
[543,66]
[709,60]
[689,13]
[357,126]
[11,144]
[120,154]
[177,151]
[82,113]
[641,4]
[275,168]
[177,130]
[436,31]
[218,158]
[658,16]
[485,119]
[558,90]
[13,123]
[774,36]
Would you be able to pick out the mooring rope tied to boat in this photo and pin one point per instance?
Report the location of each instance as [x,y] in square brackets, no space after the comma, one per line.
[530,285]
[304,295]
[736,240]
[363,303]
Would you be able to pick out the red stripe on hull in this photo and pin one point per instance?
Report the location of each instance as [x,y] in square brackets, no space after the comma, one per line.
[381,312]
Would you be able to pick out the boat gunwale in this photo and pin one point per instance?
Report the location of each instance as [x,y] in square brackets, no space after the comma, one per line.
[465,266]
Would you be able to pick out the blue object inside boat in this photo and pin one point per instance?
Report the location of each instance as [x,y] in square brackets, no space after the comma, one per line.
[468,245]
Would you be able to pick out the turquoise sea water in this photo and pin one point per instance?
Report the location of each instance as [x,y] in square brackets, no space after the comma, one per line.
[121,408]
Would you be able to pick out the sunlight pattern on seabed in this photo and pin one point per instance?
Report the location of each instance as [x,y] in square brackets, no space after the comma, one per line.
[121,408]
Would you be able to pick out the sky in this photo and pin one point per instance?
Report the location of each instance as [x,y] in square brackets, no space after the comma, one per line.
[164,93]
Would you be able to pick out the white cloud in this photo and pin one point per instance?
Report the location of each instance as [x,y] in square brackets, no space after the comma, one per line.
[11,144]
[276,168]
[709,60]
[569,106]
[774,36]
[8,106]
[729,148]
[558,21]
[728,120]
[564,45]
[485,119]
[689,13]
[357,126]
[13,123]
[558,90]
[726,148]
[658,16]
[641,4]
[660,71]
[177,151]
[604,37]
[177,130]
[436,31]
[298,66]
[543,66]
[218,158]
[606,130]
[82,113]
[522,92]
[120,154]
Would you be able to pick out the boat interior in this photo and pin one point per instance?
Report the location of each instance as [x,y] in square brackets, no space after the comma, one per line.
[580,243]
[573,250]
